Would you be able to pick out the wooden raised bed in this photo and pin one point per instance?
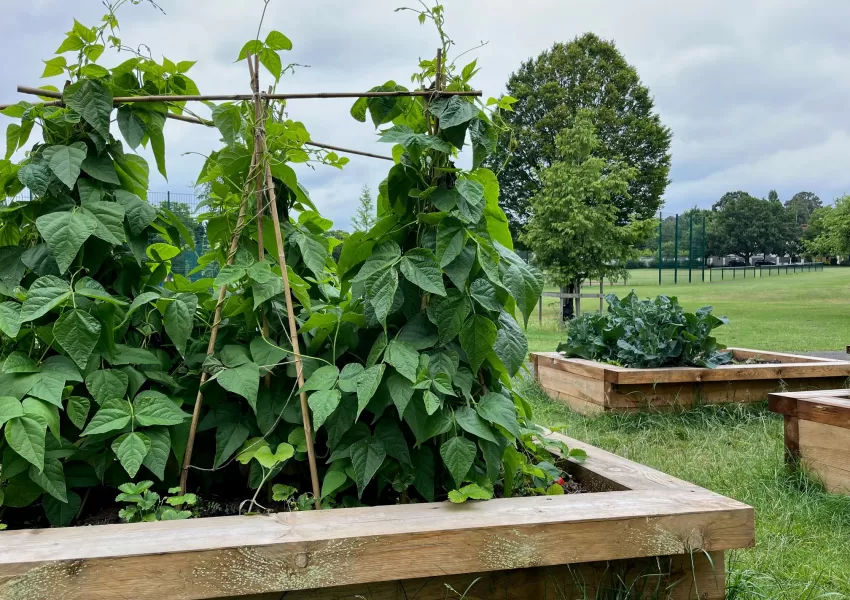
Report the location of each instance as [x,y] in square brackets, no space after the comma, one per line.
[590,387]
[516,548]
[817,434]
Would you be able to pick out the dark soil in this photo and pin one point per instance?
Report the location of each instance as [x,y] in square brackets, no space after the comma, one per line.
[106,516]
[569,484]
[756,361]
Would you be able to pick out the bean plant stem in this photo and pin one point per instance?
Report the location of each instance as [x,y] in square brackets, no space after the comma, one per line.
[258,187]
[199,399]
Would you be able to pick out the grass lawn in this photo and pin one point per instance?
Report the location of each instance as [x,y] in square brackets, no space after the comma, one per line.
[795,312]
[802,534]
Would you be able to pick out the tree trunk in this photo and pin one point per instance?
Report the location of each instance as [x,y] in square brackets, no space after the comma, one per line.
[567,309]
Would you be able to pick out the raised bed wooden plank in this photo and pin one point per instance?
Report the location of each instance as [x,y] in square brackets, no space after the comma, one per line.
[624,473]
[817,434]
[825,452]
[644,397]
[228,556]
[579,366]
[828,408]
[629,390]
[572,385]
[240,556]
[785,357]
[548,583]
[732,373]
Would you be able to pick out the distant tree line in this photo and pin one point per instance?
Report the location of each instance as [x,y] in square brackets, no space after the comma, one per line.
[743,225]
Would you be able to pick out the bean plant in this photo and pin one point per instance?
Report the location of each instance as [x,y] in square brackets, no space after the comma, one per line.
[409,341]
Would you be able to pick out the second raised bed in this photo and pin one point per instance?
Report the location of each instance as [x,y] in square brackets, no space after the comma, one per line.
[590,387]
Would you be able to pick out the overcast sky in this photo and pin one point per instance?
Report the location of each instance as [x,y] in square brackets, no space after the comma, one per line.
[757,92]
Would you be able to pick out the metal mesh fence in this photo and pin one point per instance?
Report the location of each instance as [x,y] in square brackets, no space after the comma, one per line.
[680,251]
[185,206]
[677,250]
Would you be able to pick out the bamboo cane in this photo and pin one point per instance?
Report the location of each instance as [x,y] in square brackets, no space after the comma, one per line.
[348,151]
[262,149]
[258,186]
[23,89]
[198,121]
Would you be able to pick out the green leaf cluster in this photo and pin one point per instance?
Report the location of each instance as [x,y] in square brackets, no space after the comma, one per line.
[647,334]
[96,332]
[409,339]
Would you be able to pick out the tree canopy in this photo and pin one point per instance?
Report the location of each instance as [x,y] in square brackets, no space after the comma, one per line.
[365,217]
[830,229]
[802,205]
[574,230]
[588,73]
[745,225]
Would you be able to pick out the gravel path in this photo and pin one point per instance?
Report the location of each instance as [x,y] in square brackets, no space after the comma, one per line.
[836,354]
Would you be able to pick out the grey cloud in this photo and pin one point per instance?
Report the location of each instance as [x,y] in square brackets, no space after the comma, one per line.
[754,90]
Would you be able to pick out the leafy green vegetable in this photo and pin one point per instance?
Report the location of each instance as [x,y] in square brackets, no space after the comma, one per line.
[647,334]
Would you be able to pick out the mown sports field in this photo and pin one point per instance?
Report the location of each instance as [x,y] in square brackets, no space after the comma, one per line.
[802,532]
[797,312]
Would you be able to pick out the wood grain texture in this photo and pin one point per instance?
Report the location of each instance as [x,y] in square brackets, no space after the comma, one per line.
[825,452]
[791,366]
[791,427]
[573,386]
[579,366]
[585,386]
[732,373]
[653,514]
[704,580]
[253,555]
[831,407]
[784,357]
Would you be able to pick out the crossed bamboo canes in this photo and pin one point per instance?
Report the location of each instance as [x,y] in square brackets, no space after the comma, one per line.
[260,179]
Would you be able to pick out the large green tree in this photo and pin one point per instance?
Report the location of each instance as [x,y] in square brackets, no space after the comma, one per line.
[746,226]
[830,229]
[586,73]
[802,205]
[574,230]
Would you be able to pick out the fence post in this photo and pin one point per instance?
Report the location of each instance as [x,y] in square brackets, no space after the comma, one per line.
[676,253]
[690,245]
[660,235]
[578,298]
[703,252]
[601,294]
[540,311]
